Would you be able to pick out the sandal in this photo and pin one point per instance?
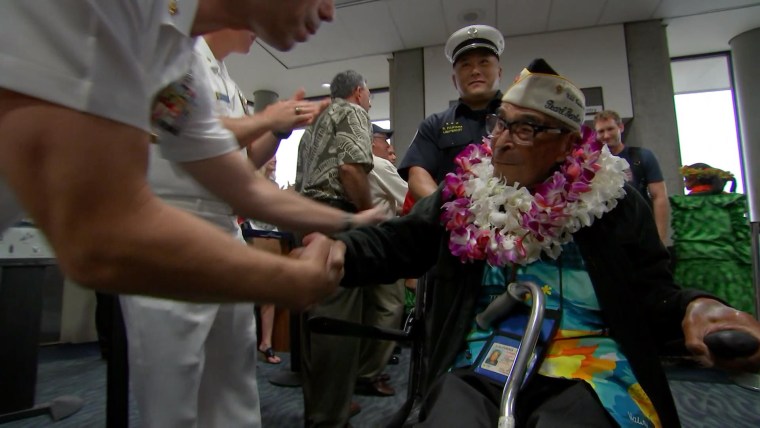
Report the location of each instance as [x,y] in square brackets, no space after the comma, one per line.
[270,356]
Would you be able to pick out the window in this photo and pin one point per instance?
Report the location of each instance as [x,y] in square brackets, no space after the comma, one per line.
[287,156]
[707,128]
[287,159]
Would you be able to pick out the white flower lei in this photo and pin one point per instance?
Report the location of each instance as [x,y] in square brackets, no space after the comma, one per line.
[491,220]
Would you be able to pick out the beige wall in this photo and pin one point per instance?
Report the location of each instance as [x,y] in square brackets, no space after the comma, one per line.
[590,57]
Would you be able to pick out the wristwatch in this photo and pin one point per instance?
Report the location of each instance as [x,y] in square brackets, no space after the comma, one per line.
[348,222]
[282,135]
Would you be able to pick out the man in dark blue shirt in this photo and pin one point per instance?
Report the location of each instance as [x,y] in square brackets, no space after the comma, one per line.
[474,53]
[645,174]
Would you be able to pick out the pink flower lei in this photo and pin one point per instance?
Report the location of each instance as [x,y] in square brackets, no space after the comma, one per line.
[501,224]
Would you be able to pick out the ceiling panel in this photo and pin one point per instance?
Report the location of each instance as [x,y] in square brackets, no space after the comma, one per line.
[372,24]
[516,17]
[328,44]
[674,8]
[567,14]
[419,22]
[361,30]
[616,11]
[259,70]
[715,30]
[460,14]
[367,32]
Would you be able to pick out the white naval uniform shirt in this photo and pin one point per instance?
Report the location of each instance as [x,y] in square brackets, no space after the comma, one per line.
[203,136]
[106,58]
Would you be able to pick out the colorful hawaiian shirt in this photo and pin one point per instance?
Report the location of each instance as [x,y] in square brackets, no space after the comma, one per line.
[580,348]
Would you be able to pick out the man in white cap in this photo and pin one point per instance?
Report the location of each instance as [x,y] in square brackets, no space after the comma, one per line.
[562,217]
[387,188]
[474,53]
[383,304]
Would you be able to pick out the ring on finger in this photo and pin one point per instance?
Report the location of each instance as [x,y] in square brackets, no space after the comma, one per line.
[298,110]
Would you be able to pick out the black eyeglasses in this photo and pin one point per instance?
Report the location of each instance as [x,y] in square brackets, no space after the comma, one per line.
[524,132]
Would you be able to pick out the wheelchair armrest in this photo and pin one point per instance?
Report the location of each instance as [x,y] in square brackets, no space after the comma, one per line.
[325,325]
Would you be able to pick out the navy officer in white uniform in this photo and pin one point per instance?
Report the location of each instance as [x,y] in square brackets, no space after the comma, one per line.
[77,81]
[194,364]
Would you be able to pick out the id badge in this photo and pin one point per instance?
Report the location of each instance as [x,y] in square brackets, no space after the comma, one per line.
[499,354]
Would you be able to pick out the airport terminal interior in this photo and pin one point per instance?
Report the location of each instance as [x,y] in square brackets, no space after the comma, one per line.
[681,73]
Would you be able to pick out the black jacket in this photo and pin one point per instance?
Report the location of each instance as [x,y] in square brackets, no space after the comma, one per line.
[625,259]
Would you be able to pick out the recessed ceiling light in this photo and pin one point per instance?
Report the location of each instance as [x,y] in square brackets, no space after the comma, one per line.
[325,85]
[470,16]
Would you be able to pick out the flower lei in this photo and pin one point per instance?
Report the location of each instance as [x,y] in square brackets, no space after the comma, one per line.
[492,221]
[688,171]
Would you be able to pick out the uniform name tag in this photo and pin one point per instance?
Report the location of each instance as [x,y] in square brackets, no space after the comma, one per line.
[451,127]
[222,97]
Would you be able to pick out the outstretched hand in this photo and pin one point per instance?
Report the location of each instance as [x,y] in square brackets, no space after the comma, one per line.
[369,217]
[705,316]
[294,113]
[324,270]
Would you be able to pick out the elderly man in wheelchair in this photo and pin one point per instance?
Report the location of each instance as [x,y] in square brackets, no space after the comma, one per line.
[544,207]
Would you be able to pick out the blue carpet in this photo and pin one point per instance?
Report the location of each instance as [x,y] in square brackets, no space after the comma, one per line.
[704,398]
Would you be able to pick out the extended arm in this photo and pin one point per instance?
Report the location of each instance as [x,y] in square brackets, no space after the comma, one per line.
[263,149]
[232,178]
[661,208]
[421,183]
[253,132]
[82,179]
[624,249]
[423,159]
[404,247]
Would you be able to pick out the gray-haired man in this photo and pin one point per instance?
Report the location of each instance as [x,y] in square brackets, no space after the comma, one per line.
[334,161]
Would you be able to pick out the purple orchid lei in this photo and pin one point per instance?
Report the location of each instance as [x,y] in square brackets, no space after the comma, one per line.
[490,220]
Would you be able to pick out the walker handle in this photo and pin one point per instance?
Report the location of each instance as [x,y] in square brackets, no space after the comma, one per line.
[498,308]
[731,343]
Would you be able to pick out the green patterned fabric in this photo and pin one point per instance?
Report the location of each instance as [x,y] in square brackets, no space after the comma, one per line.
[711,236]
[410,297]
[342,134]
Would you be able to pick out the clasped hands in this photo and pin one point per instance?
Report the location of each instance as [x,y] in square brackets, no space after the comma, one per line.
[322,268]
[295,112]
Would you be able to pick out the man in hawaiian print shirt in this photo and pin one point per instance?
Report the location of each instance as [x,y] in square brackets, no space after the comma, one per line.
[334,162]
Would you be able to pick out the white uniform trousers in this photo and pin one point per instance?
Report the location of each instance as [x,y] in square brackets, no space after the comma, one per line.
[192,365]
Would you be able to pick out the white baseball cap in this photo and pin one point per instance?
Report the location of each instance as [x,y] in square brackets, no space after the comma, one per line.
[541,88]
